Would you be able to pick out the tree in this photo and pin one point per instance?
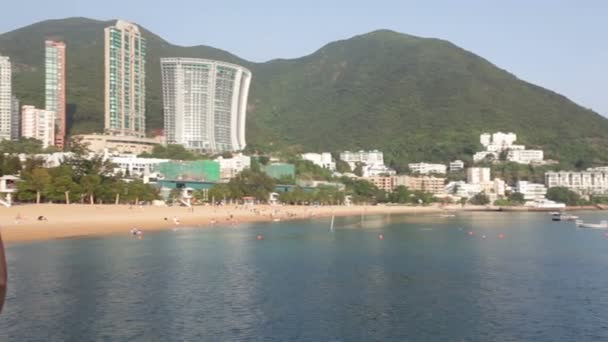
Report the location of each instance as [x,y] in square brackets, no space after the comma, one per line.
[516,198]
[138,191]
[480,199]
[90,185]
[502,156]
[219,192]
[63,187]
[359,169]
[36,181]
[563,195]
[421,197]
[251,183]
[24,145]
[9,164]
[305,169]
[342,166]
[77,146]
[263,160]
[400,194]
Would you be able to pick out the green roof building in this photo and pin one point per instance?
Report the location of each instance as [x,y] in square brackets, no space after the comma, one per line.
[198,170]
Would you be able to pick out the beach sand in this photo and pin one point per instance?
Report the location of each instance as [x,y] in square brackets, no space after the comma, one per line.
[20,223]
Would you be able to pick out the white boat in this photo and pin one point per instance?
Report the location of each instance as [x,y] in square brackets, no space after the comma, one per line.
[602,225]
[563,217]
[545,204]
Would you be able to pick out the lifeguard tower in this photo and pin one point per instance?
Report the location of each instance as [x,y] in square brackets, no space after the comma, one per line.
[8,186]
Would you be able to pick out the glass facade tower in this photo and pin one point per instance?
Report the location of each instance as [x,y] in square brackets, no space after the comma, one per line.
[5,98]
[125,76]
[55,62]
[205,103]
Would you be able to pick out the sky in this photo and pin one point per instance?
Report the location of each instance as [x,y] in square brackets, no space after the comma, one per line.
[557,44]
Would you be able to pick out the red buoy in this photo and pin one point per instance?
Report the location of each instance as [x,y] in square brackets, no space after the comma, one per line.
[260,237]
[471,233]
[380,237]
[501,236]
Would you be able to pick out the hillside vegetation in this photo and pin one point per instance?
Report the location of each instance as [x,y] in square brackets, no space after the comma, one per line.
[417,99]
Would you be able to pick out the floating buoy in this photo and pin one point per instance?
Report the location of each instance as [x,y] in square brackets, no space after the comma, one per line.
[380,237]
[483,236]
[471,233]
[501,236]
[260,237]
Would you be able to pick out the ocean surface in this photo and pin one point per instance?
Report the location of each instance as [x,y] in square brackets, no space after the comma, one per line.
[429,279]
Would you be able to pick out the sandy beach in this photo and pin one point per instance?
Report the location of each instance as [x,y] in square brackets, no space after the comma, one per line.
[20,223]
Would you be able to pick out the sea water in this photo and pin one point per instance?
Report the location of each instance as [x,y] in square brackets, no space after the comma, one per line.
[473,277]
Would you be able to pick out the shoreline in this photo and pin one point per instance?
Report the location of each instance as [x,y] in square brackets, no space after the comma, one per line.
[20,223]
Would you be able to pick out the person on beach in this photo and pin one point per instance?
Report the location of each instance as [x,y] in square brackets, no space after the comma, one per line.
[3,274]
[18,218]
[175,220]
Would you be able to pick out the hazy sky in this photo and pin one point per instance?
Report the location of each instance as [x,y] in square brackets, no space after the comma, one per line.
[560,45]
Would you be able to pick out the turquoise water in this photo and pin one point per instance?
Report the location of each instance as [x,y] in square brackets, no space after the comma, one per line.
[427,280]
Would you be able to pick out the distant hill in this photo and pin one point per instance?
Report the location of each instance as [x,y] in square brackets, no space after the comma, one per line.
[415,98]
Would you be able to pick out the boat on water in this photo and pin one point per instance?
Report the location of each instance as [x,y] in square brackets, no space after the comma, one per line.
[544,204]
[563,217]
[602,225]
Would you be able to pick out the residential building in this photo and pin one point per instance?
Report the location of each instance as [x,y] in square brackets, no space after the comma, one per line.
[525,156]
[478,175]
[383,183]
[125,76]
[323,160]
[376,170]
[230,167]
[463,190]
[456,165]
[583,182]
[132,165]
[55,64]
[531,191]
[426,168]
[499,143]
[205,103]
[485,156]
[5,98]
[499,187]
[374,157]
[430,184]
[99,143]
[38,124]
[49,160]
[15,119]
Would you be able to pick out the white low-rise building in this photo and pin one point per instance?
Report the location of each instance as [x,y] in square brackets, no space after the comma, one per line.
[485,156]
[525,156]
[478,175]
[230,167]
[374,157]
[456,165]
[426,168]
[583,182]
[462,189]
[378,170]
[531,191]
[323,160]
[132,165]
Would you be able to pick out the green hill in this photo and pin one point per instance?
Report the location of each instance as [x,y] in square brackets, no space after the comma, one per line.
[415,98]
